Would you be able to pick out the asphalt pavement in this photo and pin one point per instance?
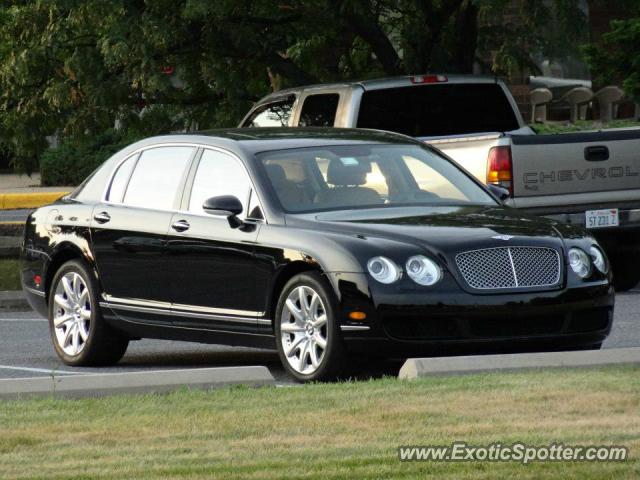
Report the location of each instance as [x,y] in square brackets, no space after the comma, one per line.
[14,215]
[26,351]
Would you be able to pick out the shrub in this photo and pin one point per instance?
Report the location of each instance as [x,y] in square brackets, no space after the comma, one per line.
[74,159]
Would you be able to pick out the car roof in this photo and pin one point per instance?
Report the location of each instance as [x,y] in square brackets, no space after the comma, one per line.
[254,140]
[382,83]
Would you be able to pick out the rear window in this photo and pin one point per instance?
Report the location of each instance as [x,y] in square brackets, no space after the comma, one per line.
[438,110]
[319,110]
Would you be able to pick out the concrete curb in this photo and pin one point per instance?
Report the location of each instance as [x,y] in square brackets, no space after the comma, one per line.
[423,367]
[100,385]
[13,201]
[13,300]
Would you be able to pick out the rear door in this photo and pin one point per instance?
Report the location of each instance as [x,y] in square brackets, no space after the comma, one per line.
[582,165]
[129,229]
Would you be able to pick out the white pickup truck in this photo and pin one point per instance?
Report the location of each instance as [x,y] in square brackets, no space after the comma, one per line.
[591,179]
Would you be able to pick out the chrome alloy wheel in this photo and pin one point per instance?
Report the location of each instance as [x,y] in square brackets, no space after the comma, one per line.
[303,330]
[72,313]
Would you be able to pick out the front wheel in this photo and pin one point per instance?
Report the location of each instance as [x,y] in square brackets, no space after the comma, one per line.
[309,345]
[79,333]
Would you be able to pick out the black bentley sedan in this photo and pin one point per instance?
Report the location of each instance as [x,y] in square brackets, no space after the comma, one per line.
[322,243]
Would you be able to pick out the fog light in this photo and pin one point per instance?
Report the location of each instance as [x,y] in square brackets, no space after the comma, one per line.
[359,316]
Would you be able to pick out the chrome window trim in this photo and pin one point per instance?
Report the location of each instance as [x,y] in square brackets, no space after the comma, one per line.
[141,150]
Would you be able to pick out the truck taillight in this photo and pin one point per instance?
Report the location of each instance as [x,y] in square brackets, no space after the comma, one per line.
[499,167]
[428,79]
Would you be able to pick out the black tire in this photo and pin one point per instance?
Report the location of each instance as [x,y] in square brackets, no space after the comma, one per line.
[103,346]
[625,272]
[333,360]
[593,346]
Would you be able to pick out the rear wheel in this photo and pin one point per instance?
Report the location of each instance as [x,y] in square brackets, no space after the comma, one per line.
[309,345]
[79,333]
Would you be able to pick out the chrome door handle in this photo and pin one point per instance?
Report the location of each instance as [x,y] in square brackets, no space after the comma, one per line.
[181,226]
[102,217]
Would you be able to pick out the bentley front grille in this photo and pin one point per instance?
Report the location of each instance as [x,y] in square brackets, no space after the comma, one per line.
[510,267]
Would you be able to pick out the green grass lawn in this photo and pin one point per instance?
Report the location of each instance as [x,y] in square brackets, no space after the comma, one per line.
[9,274]
[342,430]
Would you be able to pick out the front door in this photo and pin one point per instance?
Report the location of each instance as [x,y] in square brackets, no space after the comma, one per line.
[211,266]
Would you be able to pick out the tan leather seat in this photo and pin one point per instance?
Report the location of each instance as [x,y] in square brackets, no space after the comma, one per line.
[289,194]
[346,191]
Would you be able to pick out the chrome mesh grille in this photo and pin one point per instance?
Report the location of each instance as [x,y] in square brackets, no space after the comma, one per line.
[510,267]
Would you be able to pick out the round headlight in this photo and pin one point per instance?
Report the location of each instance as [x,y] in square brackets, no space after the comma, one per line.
[579,262]
[384,270]
[423,270]
[598,259]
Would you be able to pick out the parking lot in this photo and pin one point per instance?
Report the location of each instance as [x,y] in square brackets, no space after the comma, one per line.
[26,351]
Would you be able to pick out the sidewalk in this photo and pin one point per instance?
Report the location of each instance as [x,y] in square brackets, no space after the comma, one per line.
[21,191]
[9,181]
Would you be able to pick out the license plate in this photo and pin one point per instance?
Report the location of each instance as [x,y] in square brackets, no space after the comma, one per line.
[602,218]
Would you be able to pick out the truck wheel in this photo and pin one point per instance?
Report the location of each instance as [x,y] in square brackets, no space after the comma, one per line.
[625,272]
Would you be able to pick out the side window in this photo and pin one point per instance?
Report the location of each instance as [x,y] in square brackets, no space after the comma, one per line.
[156,178]
[319,110]
[219,174]
[121,179]
[274,114]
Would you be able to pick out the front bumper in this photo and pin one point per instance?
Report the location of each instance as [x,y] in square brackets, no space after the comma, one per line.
[455,321]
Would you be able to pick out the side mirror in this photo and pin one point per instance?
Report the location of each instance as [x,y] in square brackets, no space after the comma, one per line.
[501,192]
[226,206]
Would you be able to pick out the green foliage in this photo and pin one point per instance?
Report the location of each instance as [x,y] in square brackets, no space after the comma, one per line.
[74,159]
[617,58]
[581,125]
[73,69]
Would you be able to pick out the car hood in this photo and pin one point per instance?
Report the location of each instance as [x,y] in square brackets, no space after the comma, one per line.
[443,228]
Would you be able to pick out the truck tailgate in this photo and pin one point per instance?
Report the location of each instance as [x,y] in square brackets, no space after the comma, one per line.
[575,163]
[469,151]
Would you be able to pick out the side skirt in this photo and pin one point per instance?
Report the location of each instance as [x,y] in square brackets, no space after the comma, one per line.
[140,329]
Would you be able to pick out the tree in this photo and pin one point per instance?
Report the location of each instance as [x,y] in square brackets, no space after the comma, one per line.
[74,68]
[615,58]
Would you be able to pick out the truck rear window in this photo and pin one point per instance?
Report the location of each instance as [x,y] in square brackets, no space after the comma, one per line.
[438,110]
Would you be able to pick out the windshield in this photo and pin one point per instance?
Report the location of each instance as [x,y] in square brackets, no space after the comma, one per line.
[436,110]
[365,176]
